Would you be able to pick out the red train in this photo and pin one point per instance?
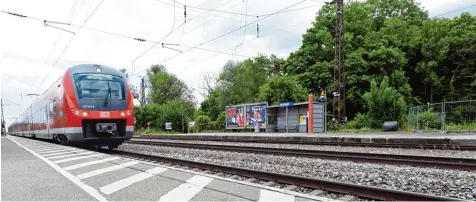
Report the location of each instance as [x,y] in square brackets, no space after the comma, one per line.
[90,104]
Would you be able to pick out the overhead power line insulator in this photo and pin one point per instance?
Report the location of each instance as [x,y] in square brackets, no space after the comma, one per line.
[185,12]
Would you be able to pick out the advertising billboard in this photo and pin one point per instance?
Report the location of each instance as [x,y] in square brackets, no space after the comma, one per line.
[256,113]
[235,117]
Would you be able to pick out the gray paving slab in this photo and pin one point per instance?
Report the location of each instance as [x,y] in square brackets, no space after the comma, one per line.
[27,178]
[103,179]
[142,167]
[70,163]
[244,191]
[150,189]
[211,195]
[176,175]
[297,198]
[98,166]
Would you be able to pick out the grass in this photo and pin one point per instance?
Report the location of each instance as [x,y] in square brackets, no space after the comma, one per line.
[154,131]
[461,127]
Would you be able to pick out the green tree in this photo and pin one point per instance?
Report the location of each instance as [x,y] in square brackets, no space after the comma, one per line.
[164,86]
[282,89]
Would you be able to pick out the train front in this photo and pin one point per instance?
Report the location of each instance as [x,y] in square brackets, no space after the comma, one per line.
[103,106]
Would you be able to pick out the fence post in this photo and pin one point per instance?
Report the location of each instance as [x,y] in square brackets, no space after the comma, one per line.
[417,121]
[443,117]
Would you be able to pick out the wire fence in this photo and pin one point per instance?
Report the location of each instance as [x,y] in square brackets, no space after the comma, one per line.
[443,117]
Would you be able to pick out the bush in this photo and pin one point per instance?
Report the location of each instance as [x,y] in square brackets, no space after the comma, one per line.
[221,121]
[429,120]
[360,121]
[384,103]
[159,114]
[203,123]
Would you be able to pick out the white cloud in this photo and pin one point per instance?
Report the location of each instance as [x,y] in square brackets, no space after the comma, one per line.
[29,49]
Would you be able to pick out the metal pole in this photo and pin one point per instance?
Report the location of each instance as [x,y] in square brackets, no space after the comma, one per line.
[417,121]
[443,118]
[3,119]
[339,69]
[287,120]
[183,130]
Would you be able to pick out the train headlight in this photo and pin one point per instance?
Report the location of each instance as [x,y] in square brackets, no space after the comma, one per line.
[85,114]
[76,112]
[128,112]
[122,114]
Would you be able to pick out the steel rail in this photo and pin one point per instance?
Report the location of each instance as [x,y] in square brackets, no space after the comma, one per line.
[443,146]
[315,183]
[423,161]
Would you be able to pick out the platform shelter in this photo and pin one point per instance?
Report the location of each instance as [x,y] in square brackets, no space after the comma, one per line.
[291,117]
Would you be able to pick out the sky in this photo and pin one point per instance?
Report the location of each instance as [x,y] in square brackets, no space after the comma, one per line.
[33,56]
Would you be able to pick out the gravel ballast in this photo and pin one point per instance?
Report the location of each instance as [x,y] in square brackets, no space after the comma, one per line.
[396,151]
[450,183]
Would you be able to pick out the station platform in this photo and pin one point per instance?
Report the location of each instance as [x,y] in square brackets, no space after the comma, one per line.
[373,137]
[34,170]
[27,178]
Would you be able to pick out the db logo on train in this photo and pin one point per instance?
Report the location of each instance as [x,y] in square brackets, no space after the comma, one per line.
[104,114]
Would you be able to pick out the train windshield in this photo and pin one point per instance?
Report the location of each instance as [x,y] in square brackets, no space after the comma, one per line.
[97,86]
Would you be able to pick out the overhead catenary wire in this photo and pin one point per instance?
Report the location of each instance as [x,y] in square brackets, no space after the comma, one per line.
[466,7]
[220,36]
[160,41]
[151,41]
[224,51]
[191,7]
[66,47]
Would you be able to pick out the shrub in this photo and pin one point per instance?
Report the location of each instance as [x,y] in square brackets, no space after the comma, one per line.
[203,123]
[429,120]
[384,103]
[360,121]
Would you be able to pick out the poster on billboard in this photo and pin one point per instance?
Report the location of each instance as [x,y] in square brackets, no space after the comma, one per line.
[235,117]
[256,113]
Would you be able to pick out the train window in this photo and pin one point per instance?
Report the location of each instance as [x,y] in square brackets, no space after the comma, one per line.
[60,92]
[54,108]
[98,86]
[46,112]
[50,109]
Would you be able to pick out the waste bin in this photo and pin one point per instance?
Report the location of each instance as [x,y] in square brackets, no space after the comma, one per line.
[256,127]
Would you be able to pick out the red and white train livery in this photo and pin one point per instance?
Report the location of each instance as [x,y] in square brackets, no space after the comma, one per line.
[89,104]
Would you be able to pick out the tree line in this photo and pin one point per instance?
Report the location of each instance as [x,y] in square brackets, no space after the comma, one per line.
[396,57]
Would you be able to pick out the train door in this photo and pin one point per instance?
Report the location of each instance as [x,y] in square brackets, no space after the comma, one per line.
[60,122]
[47,121]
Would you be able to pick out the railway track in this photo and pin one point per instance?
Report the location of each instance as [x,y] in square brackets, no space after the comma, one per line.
[442,146]
[422,161]
[362,191]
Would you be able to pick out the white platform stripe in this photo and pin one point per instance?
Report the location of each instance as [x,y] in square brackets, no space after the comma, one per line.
[105,170]
[37,148]
[89,163]
[270,196]
[56,150]
[188,190]
[121,184]
[68,155]
[77,158]
[57,153]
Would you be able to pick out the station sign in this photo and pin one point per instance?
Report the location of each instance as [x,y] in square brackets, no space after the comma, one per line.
[286,104]
[168,126]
